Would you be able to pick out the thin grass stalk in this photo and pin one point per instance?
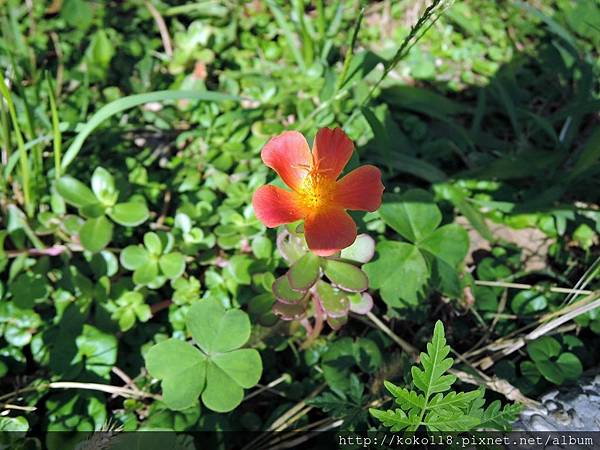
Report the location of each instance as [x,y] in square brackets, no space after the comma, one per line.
[307,41]
[57,136]
[36,151]
[417,31]
[321,20]
[6,142]
[23,158]
[350,52]
[288,32]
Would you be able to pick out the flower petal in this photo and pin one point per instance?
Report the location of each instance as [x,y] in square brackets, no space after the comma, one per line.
[332,151]
[361,189]
[288,155]
[329,230]
[274,206]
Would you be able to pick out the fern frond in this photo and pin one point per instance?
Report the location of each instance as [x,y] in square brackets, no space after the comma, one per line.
[450,422]
[431,378]
[407,400]
[499,418]
[436,411]
[456,400]
[397,419]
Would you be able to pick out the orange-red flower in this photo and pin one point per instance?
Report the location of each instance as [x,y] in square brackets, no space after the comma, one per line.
[316,195]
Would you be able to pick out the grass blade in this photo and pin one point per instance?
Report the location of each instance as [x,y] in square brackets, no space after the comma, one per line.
[288,32]
[350,51]
[23,159]
[57,137]
[124,103]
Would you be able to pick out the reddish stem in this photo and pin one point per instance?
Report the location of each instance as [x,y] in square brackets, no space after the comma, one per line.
[157,307]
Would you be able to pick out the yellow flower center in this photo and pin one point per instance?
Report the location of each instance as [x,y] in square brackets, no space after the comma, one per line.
[316,191]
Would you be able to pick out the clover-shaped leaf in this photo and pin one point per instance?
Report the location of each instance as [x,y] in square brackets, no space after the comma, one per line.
[219,370]
[96,204]
[153,264]
[432,254]
[400,272]
[554,365]
[413,215]
[182,369]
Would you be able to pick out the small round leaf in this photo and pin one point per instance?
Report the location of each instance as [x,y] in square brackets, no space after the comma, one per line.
[304,272]
[129,214]
[134,256]
[146,273]
[361,251]
[346,275]
[95,234]
[172,265]
[75,192]
[153,243]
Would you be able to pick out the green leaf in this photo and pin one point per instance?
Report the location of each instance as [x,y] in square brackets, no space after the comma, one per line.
[182,369]
[407,400]
[543,348]
[153,243]
[304,272]
[75,192]
[460,400]
[146,273]
[27,289]
[222,393]
[334,302]
[454,411]
[92,210]
[431,378]
[570,366]
[95,234]
[103,186]
[588,156]
[239,268]
[284,292]
[13,424]
[449,243]
[528,302]
[450,422]
[360,303]
[172,265]
[367,355]
[413,215]
[215,329]
[345,275]
[361,250]
[97,349]
[446,278]
[397,420]
[289,311]
[285,25]
[129,214]
[420,100]
[131,101]
[262,247]
[243,366]
[400,272]
[530,371]
[566,367]
[134,256]
[499,418]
